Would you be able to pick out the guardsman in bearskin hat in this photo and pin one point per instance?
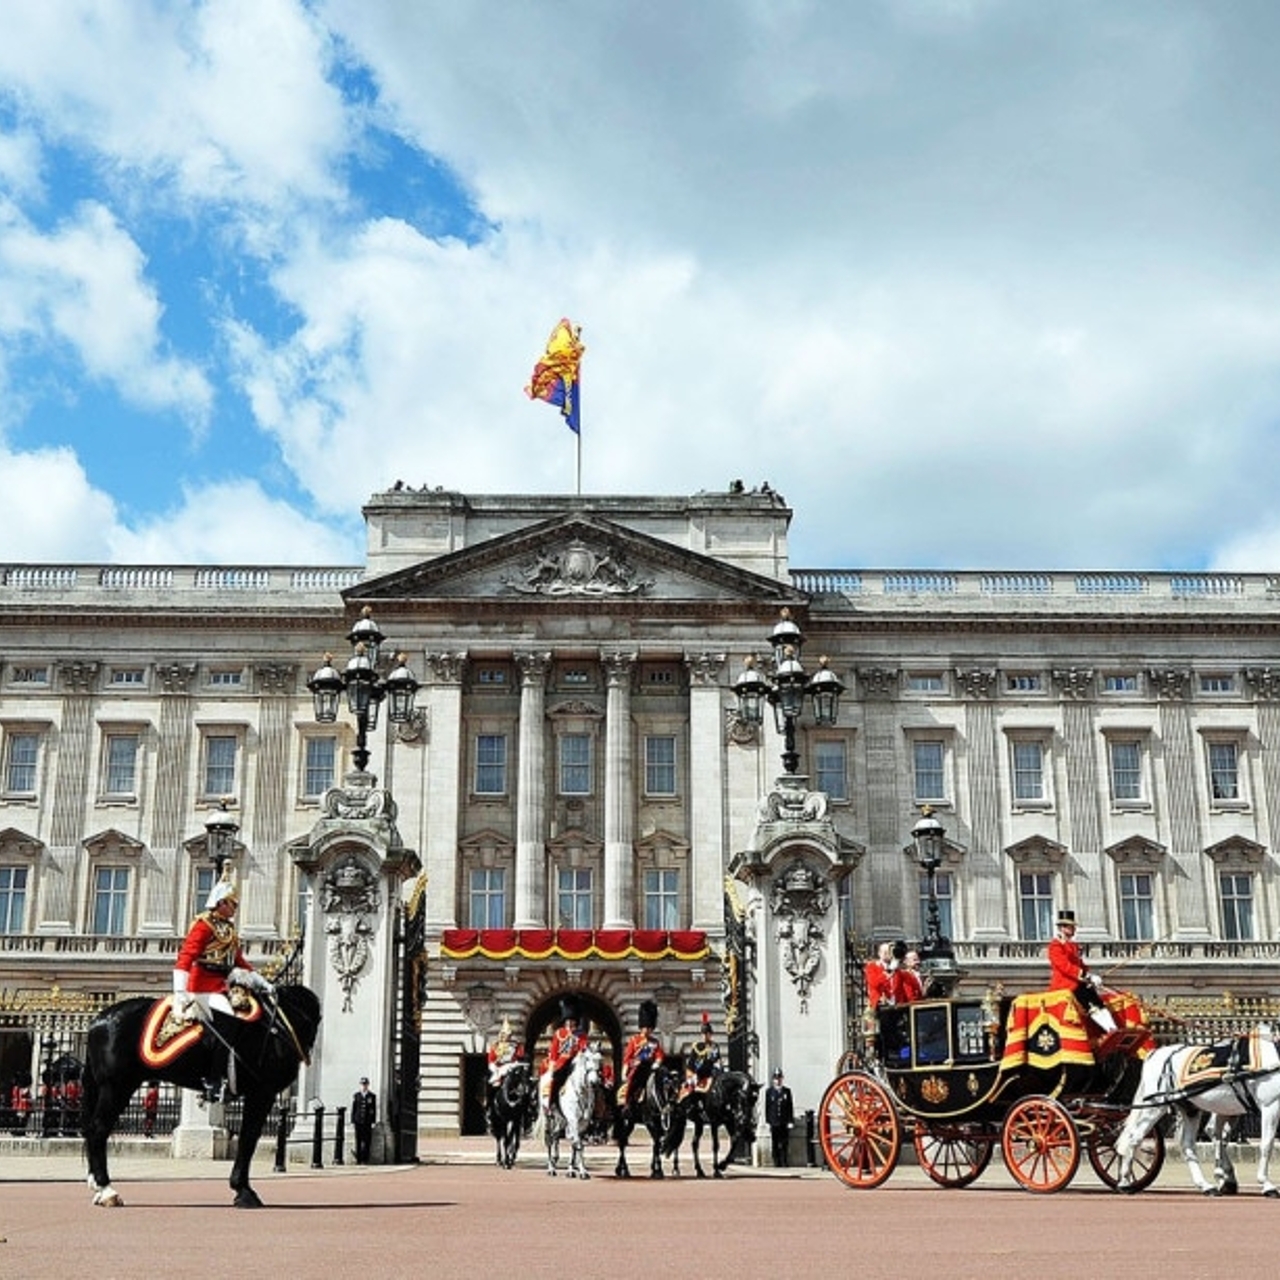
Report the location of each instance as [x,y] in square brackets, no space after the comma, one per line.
[209,962]
[567,1041]
[701,1062]
[642,1051]
[1069,972]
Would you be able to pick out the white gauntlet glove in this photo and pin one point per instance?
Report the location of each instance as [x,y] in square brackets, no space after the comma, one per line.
[1094,981]
[181,1011]
[252,981]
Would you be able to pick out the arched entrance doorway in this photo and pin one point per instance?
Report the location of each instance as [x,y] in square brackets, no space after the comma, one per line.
[545,1017]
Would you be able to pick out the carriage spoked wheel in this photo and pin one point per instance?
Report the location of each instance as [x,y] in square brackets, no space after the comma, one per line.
[953,1157]
[1040,1144]
[1148,1159]
[859,1129]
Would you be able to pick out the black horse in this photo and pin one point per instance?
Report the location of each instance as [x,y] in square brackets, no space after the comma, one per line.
[268,1053]
[728,1103]
[511,1110]
[651,1101]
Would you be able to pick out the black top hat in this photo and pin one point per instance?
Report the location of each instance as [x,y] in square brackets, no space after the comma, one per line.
[648,1015]
[1067,917]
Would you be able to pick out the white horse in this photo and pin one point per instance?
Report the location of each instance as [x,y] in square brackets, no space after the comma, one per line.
[1225,1080]
[572,1112]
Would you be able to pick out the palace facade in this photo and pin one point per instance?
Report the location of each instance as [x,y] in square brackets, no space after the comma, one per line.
[588,806]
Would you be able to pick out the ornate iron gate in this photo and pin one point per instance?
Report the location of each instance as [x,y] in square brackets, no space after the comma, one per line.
[737,978]
[406,1048]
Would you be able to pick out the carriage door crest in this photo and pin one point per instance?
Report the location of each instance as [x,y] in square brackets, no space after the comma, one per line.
[351,902]
[800,900]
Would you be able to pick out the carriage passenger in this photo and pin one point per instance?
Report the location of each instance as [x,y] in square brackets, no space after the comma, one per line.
[643,1047]
[568,1040]
[209,960]
[701,1062]
[1069,972]
[879,975]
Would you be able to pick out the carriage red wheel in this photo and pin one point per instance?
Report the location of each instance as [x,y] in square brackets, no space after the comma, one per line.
[953,1157]
[859,1129]
[1148,1159]
[1040,1145]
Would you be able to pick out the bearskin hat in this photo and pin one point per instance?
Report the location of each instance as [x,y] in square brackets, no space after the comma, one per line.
[570,1008]
[648,1015]
[899,950]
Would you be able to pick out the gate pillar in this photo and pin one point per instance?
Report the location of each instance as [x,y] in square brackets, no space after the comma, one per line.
[356,866]
[792,873]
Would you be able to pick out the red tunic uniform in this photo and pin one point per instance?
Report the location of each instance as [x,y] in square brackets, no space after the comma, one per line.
[644,1046]
[1066,965]
[879,984]
[209,953]
[905,986]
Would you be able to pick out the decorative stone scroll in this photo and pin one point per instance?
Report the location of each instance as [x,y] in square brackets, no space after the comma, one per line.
[351,903]
[978,682]
[1073,682]
[1170,684]
[800,899]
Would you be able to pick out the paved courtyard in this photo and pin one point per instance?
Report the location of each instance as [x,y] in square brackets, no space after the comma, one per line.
[455,1214]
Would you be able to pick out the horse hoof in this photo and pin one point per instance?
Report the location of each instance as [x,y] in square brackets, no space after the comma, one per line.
[108,1198]
[1228,1188]
[1210,1191]
[719,1173]
[247,1199]
[1272,1193]
[699,1174]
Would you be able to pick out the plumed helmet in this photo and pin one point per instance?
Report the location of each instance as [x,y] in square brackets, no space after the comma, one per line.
[570,1008]
[706,1024]
[223,891]
[648,1015]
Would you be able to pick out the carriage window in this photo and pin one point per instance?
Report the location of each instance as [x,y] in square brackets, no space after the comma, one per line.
[971,1040]
[933,1041]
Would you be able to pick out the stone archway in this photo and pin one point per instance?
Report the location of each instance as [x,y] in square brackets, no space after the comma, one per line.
[544,1017]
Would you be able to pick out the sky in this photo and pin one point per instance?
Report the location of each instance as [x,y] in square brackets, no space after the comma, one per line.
[971,283]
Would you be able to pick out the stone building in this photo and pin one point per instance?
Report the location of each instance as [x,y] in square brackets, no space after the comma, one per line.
[588,808]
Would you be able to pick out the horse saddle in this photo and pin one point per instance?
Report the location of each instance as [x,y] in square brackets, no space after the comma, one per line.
[163,1039]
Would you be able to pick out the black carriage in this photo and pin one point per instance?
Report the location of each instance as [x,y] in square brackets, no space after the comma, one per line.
[958,1077]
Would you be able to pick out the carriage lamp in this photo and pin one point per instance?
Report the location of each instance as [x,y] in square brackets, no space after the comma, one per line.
[937,960]
[366,690]
[220,833]
[788,689]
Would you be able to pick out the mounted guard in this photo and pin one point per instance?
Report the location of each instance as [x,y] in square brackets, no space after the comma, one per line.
[210,962]
[567,1042]
[641,1053]
[701,1063]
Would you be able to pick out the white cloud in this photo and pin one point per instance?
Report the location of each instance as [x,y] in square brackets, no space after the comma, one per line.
[84,284]
[51,512]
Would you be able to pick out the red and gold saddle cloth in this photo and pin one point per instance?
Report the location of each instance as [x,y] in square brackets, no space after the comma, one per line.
[163,1039]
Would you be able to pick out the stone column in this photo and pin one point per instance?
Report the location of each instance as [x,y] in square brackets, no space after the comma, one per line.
[884,765]
[984,869]
[445,762]
[259,875]
[531,793]
[706,790]
[619,795]
[70,790]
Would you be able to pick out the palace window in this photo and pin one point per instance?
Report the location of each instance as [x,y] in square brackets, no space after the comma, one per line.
[21,756]
[491,764]
[926,682]
[1137,906]
[13,899]
[1217,684]
[662,899]
[573,898]
[488,898]
[110,900]
[1119,682]
[830,768]
[319,765]
[1224,770]
[226,679]
[203,888]
[128,677]
[1028,771]
[1035,905]
[1125,758]
[1235,892]
[575,764]
[928,759]
[660,764]
[220,764]
[1023,683]
[120,769]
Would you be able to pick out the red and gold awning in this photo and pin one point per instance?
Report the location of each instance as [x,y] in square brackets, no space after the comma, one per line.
[574,944]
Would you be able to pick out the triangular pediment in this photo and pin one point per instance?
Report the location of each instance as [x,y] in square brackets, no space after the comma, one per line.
[113,844]
[579,559]
[1137,849]
[1237,851]
[15,843]
[1037,851]
[487,842]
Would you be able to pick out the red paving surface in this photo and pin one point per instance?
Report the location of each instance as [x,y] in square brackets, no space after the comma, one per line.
[462,1219]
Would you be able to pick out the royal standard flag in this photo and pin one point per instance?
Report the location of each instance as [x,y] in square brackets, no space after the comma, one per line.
[556,377]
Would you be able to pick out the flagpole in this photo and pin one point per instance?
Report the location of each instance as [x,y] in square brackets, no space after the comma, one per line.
[578,435]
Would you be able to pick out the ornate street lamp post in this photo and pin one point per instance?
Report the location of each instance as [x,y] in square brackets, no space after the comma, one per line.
[220,838]
[937,960]
[788,689]
[366,690]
